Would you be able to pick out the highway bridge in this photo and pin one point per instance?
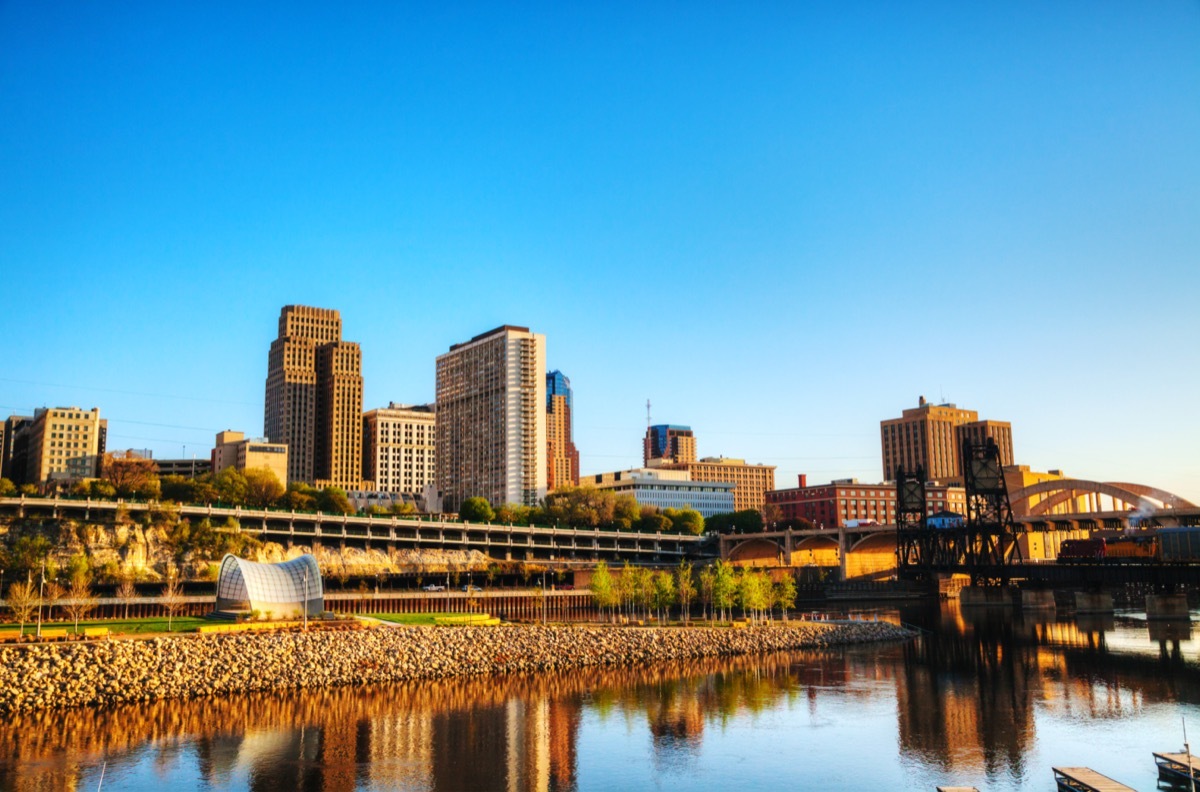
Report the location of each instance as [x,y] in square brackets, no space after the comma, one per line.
[501,542]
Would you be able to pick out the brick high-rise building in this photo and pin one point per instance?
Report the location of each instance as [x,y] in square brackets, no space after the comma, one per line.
[562,457]
[491,418]
[399,448]
[314,398]
[929,436]
[669,443]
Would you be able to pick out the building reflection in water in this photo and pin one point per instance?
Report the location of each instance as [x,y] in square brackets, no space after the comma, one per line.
[966,698]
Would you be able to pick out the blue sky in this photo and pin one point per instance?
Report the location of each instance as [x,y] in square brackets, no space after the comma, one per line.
[780,222]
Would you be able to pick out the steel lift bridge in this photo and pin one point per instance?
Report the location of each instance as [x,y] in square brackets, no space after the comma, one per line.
[984,545]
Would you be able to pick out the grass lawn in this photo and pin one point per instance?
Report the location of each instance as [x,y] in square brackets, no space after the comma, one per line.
[125,626]
[425,619]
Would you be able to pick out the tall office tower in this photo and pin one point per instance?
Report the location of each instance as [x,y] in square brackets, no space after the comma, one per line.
[491,418]
[398,448]
[669,444]
[979,432]
[561,455]
[314,398]
[928,436]
[14,448]
[63,443]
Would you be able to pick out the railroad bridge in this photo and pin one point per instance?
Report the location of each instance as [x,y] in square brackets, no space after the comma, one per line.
[502,542]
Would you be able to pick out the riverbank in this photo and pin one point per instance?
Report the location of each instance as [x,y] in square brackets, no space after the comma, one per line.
[56,676]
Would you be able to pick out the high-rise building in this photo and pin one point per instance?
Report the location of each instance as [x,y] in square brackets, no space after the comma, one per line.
[15,448]
[925,437]
[59,443]
[751,482]
[314,398]
[561,455]
[233,450]
[491,418]
[979,432]
[669,443]
[398,447]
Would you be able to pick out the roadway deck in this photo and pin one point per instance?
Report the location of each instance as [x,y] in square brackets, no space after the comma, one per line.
[1085,779]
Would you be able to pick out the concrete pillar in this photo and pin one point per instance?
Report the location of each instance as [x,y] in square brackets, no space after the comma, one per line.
[1033,600]
[988,596]
[1093,602]
[1167,606]
[842,554]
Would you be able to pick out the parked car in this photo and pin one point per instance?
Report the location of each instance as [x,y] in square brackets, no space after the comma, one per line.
[434,587]
[471,588]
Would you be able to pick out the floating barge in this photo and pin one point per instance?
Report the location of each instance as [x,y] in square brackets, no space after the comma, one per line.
[1177,766]
[1085,779]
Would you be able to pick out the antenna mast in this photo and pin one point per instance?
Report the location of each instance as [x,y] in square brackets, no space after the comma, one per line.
[647,413]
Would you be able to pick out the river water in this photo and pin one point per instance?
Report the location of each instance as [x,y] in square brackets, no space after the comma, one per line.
[987,698]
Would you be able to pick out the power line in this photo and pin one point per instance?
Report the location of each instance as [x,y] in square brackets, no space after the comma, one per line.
[125,392]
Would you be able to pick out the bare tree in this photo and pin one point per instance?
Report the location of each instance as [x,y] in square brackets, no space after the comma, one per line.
[22,601]
[126,592]
[172,597]
[81,600]
[52,592]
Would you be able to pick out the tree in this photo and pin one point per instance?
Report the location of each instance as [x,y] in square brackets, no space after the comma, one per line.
[126,591]
[178,489]
[231,486]
[707,576]
[687,521]
[403,508]
[7,488]
[476,510]
[130,475]
[626,512]
[651,521]
[52,592]
[785,595]
[664,593]
[263,487]
[22,602]
[28,552]
[724,589]
[603,590]
[333,500]
[626,585]
[512,514]
[102,490]
[744,521]
[300,497]
[643,589]
[172,596]
[685,585]
[28,490]
[81,600]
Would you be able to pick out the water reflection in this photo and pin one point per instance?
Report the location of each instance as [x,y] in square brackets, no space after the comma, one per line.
[969,697]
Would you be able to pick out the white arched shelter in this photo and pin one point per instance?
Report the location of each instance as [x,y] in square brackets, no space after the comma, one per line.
[286,589]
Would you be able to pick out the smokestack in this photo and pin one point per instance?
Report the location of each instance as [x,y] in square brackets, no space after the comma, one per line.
[803,480]
[921,402]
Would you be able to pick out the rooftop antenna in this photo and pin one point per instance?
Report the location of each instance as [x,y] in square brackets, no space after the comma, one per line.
[647,413]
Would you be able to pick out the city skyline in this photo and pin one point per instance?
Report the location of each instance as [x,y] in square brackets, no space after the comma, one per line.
[780,226]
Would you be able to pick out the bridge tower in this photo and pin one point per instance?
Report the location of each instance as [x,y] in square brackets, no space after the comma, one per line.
[991,536]
[922,551]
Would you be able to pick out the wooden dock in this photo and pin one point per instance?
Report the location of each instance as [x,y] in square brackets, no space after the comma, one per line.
[1085,779]
[1177,766]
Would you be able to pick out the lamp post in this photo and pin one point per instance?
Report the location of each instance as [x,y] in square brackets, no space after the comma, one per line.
[304,605]
[41,586]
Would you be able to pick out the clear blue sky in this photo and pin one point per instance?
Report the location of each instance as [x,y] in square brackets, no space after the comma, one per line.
[780,222]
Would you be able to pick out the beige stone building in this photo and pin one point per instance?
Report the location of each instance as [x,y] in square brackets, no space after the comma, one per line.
[491,418]
[62,443]
[314,398]
[399,444]
[234,450]
[929,436]
[751,482]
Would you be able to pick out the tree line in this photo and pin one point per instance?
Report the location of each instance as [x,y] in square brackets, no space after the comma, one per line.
[587,507]
[639,593]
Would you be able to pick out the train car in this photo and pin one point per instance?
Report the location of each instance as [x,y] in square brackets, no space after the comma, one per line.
[1179,545]
[1081,551]
[1132,550]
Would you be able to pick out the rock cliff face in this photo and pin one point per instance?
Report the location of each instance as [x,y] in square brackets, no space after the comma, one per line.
[145,549]
[53,676]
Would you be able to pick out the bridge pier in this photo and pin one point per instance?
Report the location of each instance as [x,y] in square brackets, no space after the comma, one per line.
[1093,602]
[1037,599]
[1167,606]
[988,596]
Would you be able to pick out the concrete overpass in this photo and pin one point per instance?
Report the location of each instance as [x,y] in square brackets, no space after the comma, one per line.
[502,542]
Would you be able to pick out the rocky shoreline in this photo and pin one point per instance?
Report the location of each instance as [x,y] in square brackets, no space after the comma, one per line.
[56,676]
